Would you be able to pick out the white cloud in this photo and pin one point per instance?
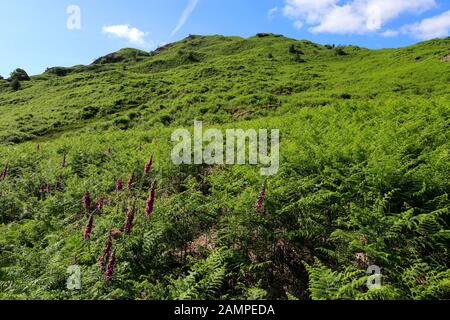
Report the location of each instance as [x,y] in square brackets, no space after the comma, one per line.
[272,12]
[390,33]
[185,16]
[351,17]
[123,31]
[435,27]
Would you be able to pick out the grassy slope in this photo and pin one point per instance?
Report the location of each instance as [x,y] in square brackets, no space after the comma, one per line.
[363,180]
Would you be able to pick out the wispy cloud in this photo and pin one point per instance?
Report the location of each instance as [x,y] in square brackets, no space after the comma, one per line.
[272,12]
[124,31]
[185,16]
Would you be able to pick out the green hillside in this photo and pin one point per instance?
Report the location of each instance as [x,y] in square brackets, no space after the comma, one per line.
[363,179]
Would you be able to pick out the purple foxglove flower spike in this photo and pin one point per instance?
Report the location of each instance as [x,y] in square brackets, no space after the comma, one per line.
[111,267]
[86,201]
[260,202]
[148,165]
[130,182]
[128,222]
[104,258]
[150,202]
[99,205]
[88,229]
[119,185]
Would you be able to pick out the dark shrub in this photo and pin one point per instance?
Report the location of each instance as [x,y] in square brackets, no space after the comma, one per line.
[166,119]
[89,112]
[20,75]
[59,71]
[122,122]
[339,51]
[292,49]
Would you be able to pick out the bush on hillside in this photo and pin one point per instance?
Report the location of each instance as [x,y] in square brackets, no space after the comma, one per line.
[58,71]
[20,75]
[339,51]
[15,84]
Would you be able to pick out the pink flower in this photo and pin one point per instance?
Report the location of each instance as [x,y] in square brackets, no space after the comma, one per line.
[130,182]
[86,201]
[111,267]
[42,189]
[150,202]
[260,202]
[128,222]
[88,229]
[119,185]
[148,165]
[99,204]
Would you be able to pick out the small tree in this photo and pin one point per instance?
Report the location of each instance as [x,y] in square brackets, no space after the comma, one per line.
[15,84]
[292,49]
[297,58]
[20,75]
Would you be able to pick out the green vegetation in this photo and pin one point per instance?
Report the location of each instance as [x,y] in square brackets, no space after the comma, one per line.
[363,180]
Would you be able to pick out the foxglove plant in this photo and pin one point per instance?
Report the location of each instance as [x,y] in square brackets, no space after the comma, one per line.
[260,202]
[130,182]
[104,258]
[88,229]
[111,267]
[99,204]
[119,185]
[148,165]
[42,189]
[150,202]
[128,222]
[86,201]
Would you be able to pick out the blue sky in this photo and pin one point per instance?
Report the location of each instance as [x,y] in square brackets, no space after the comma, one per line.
[35,34]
